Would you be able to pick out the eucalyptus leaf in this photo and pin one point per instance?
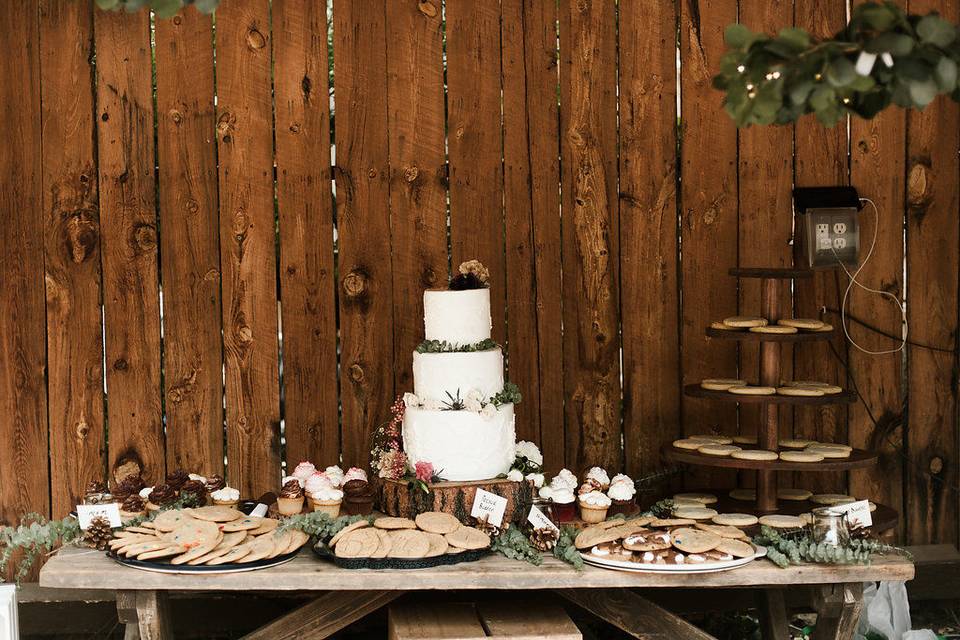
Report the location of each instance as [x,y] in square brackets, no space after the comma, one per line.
[935,30]
[737,36]
[946,74]
[922,92]
[797,38]
[896,44]
[107,5]
[166,8]
[878,17]
[841,72]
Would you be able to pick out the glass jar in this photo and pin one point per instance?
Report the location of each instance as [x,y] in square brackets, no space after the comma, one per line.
[830,527]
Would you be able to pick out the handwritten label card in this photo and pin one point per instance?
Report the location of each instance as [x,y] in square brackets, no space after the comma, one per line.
[87,512]
[539,520]
[858,513]
[489,506]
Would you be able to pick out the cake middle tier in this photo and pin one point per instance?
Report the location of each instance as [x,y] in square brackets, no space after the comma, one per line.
[461,445]
[437,374]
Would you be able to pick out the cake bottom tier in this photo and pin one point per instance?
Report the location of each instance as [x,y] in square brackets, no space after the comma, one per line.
[461,445]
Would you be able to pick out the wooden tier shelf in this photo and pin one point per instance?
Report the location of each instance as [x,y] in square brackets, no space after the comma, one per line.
[859,459]
[773,273]
[696,391]
[752,336]
[884,518]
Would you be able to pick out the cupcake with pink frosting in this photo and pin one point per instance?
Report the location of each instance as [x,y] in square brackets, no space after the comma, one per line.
[335,474]
[354,473]
[303,471]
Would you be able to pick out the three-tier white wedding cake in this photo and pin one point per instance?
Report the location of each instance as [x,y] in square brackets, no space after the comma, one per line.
[460,416]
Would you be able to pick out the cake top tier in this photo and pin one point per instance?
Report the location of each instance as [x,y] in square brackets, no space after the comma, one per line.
[457,317]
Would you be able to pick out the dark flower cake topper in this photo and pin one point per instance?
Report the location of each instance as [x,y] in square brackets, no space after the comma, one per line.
[473,275]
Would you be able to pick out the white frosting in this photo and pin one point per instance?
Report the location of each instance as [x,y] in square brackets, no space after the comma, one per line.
[529,451]
[621,477]
[435,374]
[598,474]
[197,477]
[335,474]
[303,471]
[316,481]
[562,495]
[595,499]
[327,493]
[565,480]
[354,473]
[457,317]
[145,492]
[621,491]
[461,445]
[545,492]
[537,479]
[227,494]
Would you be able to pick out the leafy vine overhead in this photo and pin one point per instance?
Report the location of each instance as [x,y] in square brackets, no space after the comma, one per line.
[163,8]
[883,56]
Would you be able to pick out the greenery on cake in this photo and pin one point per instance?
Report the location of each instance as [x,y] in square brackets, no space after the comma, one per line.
[442,346]
[453,402]
[509,395]
[796,547]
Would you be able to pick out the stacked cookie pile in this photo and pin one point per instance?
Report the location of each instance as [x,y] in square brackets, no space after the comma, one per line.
[214,535]
[433,534]
[797,450]
[649,540]
[795,388]
[757,324]
[699,507]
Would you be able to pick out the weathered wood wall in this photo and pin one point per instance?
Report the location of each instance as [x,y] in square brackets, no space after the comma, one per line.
[219,261]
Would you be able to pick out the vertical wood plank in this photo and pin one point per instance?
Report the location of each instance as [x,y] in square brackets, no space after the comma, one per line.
[820,160]
[933,244]
[591,296]
[476,171]
[708,198]
[247,245]
[363,223]
[189,243]
[877,171]
[128,229]
[765,172]
[24,479]
[532,220]
[306,231]
[648,232]
[418,172]
[71,252]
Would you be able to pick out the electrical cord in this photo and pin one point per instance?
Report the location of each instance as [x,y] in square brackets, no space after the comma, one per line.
[887,334]
[853,281]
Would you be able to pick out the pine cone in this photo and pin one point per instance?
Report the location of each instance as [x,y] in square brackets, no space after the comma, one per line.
[484,525]
[543,539]
[98,534]
[131,485]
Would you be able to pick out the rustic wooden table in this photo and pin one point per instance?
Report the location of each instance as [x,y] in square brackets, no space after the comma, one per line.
[352,594]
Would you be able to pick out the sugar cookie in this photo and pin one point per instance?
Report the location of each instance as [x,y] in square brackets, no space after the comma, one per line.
[735,519]
[831,498]
[745,495]
[720,450]
[828,452]
[721,384]
[752,391]
[745,322]
[702,498]
[800,456]
[801,323]
[801,392]
[712,439]
[781,522]
[797,495]
[694,513]
[754,454]
[744,439]
[795,443]
[775,328]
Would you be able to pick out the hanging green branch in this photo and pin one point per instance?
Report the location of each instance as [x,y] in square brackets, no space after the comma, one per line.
[163,8]
[882,57]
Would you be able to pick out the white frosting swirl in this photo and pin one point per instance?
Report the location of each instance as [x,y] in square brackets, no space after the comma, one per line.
[545,492]
[327,494]
[621,477]
[227,494]
[565,479]
[287,479]
[621,491]
[354,473]
[316,482]
[145,492]
[562,495]
[600,475]
[529,451]
[303,471]
[537,479]
[595,499]
[335,474]
[198,477]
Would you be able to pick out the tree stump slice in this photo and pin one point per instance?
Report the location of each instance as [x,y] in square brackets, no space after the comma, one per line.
[455,498]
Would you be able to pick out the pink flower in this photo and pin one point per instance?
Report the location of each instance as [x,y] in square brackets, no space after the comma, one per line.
[424,471]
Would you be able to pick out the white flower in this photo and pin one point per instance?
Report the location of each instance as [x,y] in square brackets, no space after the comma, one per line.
[475,394]
[488,412]
[529,451]
[537,478]
[515,475]
[565,480]
[472,405]
[410,400]
[546,493]
[432,405]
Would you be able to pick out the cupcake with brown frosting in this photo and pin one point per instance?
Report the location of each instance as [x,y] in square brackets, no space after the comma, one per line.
[176,479]
[290,500]
[196,489]
[132,506]
[161,496]
[357,497]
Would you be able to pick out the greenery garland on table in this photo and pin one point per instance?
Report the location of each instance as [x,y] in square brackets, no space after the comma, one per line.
[784,549]
[882,57]
[163,8]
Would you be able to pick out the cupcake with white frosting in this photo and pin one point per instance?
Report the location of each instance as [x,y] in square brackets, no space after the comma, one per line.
[594,507]
[226,497]
[327,499]
[622,493]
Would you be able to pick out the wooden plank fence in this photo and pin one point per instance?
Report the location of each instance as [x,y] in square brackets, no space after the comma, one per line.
[225,273]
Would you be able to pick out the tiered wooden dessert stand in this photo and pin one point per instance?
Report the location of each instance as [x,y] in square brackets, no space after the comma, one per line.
[768,429]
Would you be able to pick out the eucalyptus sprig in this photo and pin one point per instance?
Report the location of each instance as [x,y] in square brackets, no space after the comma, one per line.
[442,346]
[784,549]
[320,525]
[35,536]
[163,8]
[514,545]
[566,550]
[509,394]
[661,509]
[884,56]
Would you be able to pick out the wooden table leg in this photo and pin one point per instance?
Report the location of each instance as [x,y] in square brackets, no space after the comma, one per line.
[634,614]
[146,615]
[324,616]
[838,611]
[771,605]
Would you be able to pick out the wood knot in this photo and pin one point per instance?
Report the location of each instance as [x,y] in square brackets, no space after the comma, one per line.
[245,334]
[427,8]
[295,127]
[120,364]
[306,85]
[917,185]
[371,173]
[176,116]
[145,237]
[177,20]
[213,275]
[81,238]
[255,39]
[354,284]
[936,465]
[241,222]
[428,278]
[356,372]
[192,206]
[82,430]
[225,123]
[410,174]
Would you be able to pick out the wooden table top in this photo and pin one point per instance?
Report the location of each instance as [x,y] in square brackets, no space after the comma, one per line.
[78,568]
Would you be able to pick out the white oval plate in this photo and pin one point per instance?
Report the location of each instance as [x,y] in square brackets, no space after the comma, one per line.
[704,567]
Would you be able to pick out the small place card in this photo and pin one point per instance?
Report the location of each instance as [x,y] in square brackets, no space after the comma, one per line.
[858,513]
[540,521]
[489,506]
[87,512]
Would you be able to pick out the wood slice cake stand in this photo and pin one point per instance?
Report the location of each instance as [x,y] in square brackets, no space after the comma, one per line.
[456,498]
[768,431]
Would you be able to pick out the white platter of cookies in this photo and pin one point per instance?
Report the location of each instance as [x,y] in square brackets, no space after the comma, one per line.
[433,539]
[649,544]
[214,539]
